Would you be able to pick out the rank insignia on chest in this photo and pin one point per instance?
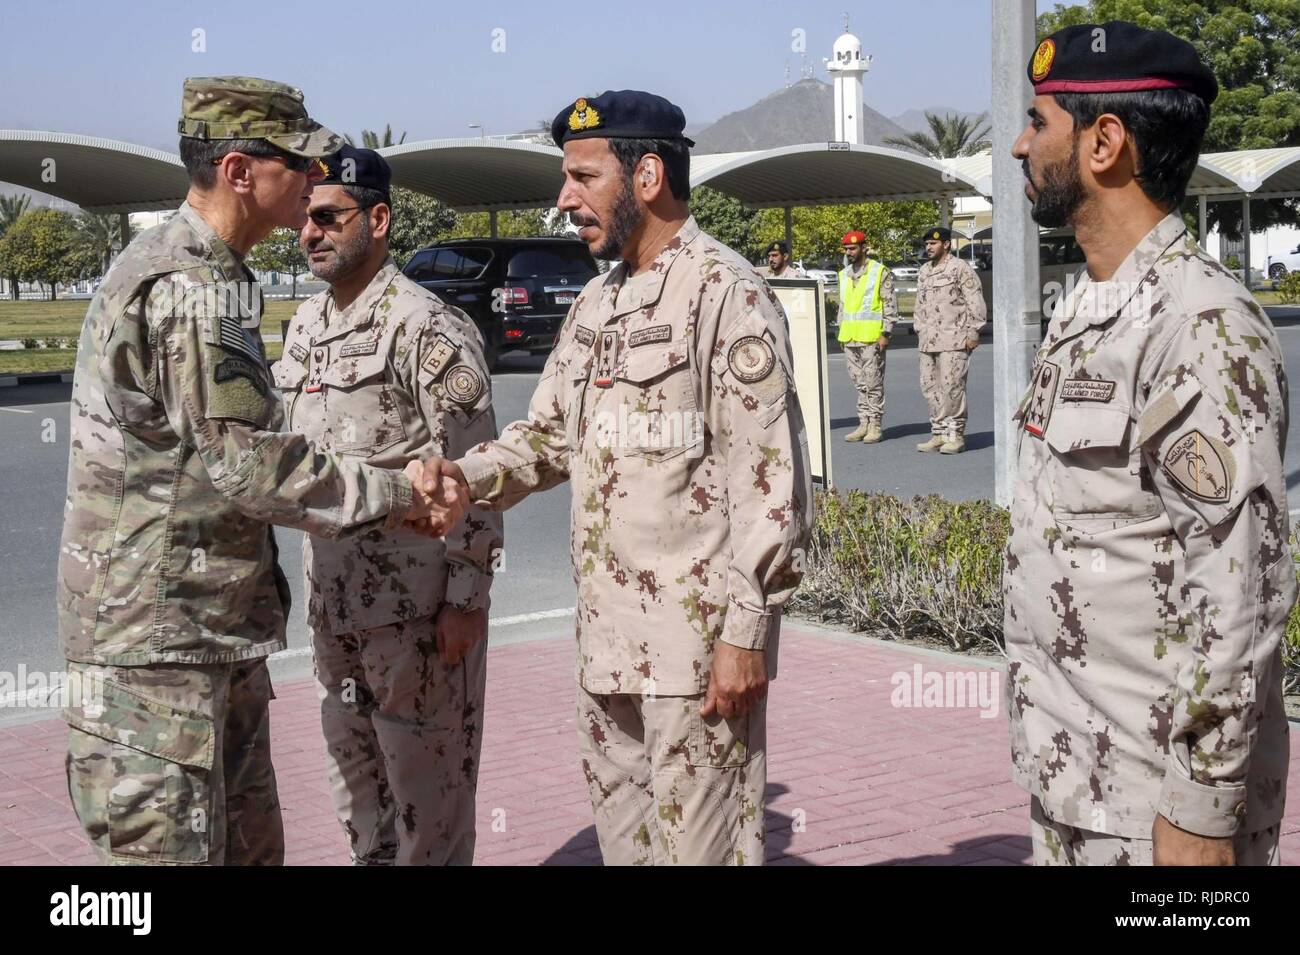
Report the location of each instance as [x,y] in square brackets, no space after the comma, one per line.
[1039,412]
[442,351]
[608,360]
[319,361]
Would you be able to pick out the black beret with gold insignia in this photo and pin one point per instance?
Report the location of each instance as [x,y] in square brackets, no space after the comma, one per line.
[352,166]
[619,114]
[1118,57]
[939,232]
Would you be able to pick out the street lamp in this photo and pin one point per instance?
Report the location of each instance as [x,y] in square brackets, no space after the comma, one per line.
[482,134]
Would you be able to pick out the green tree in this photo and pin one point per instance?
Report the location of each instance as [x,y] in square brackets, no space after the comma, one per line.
[511,224]
[372,140]
[417,220]
[728,221]
[280,252]
[1251,47]
[11,209]
[950,136]
[892,229]
[102,235]
[45,245]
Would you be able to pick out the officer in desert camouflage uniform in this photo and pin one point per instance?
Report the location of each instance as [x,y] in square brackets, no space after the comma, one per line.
[779,265]
[948,317]
[378,368]
[668,403]
[169,595]
[1148,575]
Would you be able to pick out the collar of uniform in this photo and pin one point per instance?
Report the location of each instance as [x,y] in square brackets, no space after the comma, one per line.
[231,264]
[644,288]
[1105,300]
[361,311]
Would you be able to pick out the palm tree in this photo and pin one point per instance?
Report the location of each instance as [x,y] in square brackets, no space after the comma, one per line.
[371,140]
[11,210]
[103,236]
[949,137]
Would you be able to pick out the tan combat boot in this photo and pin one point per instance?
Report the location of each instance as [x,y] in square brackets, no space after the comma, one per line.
[934,444]
[955,444]
[873,433]
[857,434]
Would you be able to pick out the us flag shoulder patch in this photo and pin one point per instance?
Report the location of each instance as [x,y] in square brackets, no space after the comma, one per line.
[232,336]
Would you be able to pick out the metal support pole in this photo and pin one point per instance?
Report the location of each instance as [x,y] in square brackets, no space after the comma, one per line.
[789,229]
[945,218]
[1201,208]
[1017,296]
[124,224]
[492,223]
[1245,242]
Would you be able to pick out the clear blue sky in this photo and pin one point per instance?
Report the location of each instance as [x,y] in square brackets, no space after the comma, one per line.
[114,69]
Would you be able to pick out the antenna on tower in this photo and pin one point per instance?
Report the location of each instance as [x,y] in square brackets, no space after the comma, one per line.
[846,21]
[787,73]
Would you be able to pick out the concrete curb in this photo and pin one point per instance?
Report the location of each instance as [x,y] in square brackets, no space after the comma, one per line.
[36,378]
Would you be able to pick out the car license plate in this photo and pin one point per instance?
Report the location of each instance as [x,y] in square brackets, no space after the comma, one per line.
[564,298]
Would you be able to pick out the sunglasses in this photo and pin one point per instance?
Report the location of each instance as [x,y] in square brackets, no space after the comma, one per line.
[328,217]
[291,162]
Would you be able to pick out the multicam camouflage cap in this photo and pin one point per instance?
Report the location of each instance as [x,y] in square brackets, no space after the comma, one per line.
[246,107]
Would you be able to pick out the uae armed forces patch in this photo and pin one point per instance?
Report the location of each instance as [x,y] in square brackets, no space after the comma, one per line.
[463,384]
[1200,466]
[751,359]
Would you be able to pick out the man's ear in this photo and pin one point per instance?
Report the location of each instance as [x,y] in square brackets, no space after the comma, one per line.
[650,178]
[382,221]
[236,172]
[1108,145]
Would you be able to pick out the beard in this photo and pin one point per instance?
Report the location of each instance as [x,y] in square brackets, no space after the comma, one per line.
[349,255]
[1059,194]
[624,219]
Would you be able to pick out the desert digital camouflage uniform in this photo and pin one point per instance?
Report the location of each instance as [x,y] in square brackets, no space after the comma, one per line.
[792,271]
[668,403]
[394,377]
[168,588]
[865,360]
[949,311]
[1148,576]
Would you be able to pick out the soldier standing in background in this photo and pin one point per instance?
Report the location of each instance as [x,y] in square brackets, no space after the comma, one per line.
[868,311]
[779,265]
[949,316]
[668,402]
[378,368]
[1148,574]
[170,597]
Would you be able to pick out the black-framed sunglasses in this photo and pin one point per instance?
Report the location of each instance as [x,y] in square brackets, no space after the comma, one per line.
[291,162]
[328,217]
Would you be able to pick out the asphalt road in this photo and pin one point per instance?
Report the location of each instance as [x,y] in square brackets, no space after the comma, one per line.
[534,584]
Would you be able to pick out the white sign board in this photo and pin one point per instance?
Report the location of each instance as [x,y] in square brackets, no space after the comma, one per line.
[804,301]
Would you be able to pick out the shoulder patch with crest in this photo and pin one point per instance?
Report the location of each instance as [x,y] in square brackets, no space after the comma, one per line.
[751,359]
[1201,466]
[463,384]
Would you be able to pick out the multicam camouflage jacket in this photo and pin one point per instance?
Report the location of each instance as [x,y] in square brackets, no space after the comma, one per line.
[668,402]
[949,305]
[394,377]
[1148,574]
[177,466]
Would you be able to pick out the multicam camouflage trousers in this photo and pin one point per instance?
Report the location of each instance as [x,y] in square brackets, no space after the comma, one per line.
[866,364]
[1058,844]
[173,764]
[943,382]
[402,734]
[670,787]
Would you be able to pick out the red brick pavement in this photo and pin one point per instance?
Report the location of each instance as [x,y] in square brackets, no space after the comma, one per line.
[852,779]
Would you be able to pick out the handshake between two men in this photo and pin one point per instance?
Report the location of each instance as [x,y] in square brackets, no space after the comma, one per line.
[439,498]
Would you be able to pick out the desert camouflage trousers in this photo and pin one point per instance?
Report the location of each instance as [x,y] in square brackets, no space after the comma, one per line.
[866,365]
[669,787]
[943,382]
[171,764]
[403,733]
[1058,844]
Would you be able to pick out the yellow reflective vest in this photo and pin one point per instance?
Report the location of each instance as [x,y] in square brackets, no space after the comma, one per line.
[862,311]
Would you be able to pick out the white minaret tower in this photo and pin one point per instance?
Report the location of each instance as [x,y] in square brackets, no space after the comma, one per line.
[846,66]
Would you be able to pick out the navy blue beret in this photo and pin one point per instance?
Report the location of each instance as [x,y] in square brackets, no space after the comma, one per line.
[619,114]
[351,166]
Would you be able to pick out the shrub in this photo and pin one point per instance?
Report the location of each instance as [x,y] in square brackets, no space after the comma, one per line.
[55,342]
[1288,287]
[927,569]
[31,343]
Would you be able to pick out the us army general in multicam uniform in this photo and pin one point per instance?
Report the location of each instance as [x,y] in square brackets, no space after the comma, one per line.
[1148,575]
[668,403]
[169,594]
[948,317]
[392,376]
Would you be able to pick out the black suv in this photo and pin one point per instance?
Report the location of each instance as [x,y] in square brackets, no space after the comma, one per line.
[517,291]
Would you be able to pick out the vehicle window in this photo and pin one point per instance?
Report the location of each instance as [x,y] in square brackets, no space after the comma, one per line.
[462,262]
[554,260]
[1073,255]
[1049,252]
[420,266]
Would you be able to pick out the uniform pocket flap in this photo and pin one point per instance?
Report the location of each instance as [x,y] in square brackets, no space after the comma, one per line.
[113,712]
[645,363]
[349,372]
[1082,428]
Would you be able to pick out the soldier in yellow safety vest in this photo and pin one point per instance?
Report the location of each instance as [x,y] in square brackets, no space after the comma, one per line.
[867,315]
